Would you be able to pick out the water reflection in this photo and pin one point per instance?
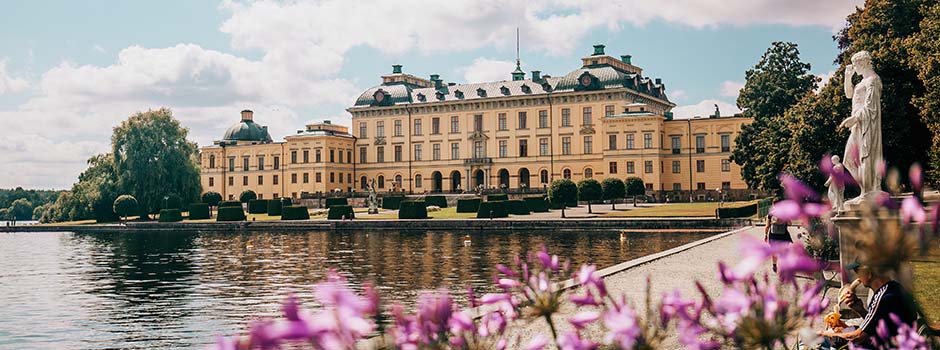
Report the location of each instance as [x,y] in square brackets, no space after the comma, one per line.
[177,290]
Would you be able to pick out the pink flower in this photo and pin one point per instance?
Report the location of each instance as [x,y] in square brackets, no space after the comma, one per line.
[583,318]
[584,300]
[573,341]
[548,261]
[673,305]
[916,175]
[792,259]
[755,252]
[787,210]
[494,298]
[912,211]
[622,326]
[507,283]
[505,270]
[796,189]
[537,342]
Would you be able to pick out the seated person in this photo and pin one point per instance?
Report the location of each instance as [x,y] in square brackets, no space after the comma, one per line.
[889,298]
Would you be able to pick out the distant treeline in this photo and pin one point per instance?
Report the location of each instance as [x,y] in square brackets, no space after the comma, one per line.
[19,203]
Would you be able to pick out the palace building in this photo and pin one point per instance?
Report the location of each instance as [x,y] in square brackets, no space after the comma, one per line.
[604,119]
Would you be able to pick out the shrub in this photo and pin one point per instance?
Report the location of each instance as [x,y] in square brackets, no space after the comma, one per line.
[198,211]
[495,209]
[517,207]
[172,201]
[170,215]
[438,201]
[742,212]
[274,207]
[230,204]
[536,204]
[295,212]
[337,212]
[125,205]
[589,190]
[413,210]
[258,206]
[230,213]
[563,193]
[247,196]
[613,189]
[497,197]
[468,205]
[393,202]
[336,201]
[212,198]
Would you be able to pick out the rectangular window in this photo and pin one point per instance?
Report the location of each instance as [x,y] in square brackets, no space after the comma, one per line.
[543,146]
[436,126]
[588,145]
[700,165]
[699,143]
[649,186]
[277,162]
[609,111]
[397,153]
[260,162]
[478,122]
[417,127]
[397,127]
[566,145]
[245,163]
[436,151]
[244,181]
[293,157]
[306,156]
[502,122]
[454,151]
[340,177]
[612,142]
[340,156]
[503,149]
[629,141]
[319,156]
[332,177]
[362,130]
[417,180]
[726,143]
[418,152]
[319,177]
[211,162]
[677,187]
[543,119]
[348,157]
[293,178]
[349,178]
[631,167]
[478,151]
[522,120]
[676,167]
[726,185]
[676,144]
[648,166]
[211,182]
[565,117]
[647,140]
[380,154]
[274,180]
[613,168]
[260,180]
[380,129]
[231,181]
[362,155]
[586,113]
[306,178]
[523,148]
[700,186]
[454,124]
[726,165]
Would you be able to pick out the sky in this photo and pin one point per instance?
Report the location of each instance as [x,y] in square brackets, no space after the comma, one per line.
[71,71]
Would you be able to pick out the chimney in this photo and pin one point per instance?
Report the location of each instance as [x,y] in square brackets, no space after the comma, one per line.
[659,81]
[598,50]
[436,80]
[247,115]
[536,75]
[396,69]
[326,122]
[626,58]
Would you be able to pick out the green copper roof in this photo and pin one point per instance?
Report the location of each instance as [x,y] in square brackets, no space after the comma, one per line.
[247,130]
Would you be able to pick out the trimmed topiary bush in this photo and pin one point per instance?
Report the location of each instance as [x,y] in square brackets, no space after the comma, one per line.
[495,209]
[125,205]
[247,196]
[230,204]
[258,206]
[330,202]
[413,210]
[468,205]
[536,204]
[438,201]
[517,207]
[172,201]
[230,214]
[497,197]
[337,213]
[198,211]
[170,215]
[295,212]
[212,198]
[274,207]
[393,202]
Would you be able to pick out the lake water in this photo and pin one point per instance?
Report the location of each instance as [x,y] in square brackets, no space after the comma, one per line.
[178,290]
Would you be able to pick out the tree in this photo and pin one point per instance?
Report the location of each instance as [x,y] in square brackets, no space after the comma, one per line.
[21,209]
[172,201]
[635,187]
[775,84]
[152,157]
[212,198]
[561,192]
[247,196]
[925,59]
[125,205]
[613,189]
[589,190]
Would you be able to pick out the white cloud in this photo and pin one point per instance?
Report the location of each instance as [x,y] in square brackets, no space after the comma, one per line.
[824,80]
[705,108]
[677,94]
[484,69]
[731,88]
[98,49]
[10,83]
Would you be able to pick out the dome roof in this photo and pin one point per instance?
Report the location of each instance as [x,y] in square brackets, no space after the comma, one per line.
[247,130]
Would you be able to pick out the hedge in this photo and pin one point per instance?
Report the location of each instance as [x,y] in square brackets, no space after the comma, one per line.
[198,211]
[230,214]
[332,201]
[497,197]
[742,212]
[295,212]
[274,207]
[495,209]
[413,210]
[230,204]
[337,212]
[393,202]
[439,201]
[170,215]
[468,205]
[537,204]
[517,207]
[258,206]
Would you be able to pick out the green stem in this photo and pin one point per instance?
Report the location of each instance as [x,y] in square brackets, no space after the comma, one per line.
[548,318]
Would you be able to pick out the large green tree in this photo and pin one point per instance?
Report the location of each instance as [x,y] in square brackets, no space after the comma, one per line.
[925,59]
[153,158]
[589,190]
[561,192]
[613,189]
[777,82]
[635,187]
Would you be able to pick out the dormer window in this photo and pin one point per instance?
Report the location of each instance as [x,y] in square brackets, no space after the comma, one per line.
[421,97]
[439,95]
[526,89]
[504,90]
[546,86]
[381,98]
[481,92]
[458,94]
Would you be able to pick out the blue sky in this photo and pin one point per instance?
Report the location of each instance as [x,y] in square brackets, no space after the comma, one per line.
[70,71]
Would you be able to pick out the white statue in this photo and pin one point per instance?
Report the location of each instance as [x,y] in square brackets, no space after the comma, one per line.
[836,185]
[863,150]
[373,200]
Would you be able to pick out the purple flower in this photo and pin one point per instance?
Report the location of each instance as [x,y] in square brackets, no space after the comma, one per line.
[460,322]
[792,259]
[837,172]
[912,211]
[494,298]
[787,210]
[917,177]
[548,261]
[492,323]
[796,189]
[507,283]
[809,300]
[505,270]
[573,341]
[583,318]
[623,328]
[731,308]
[584,300]
[673,305]
[537,342]
[690,334]
[755,252]
[884,200]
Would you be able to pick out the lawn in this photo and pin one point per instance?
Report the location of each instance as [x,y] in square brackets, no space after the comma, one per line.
[444,213]
[705,209]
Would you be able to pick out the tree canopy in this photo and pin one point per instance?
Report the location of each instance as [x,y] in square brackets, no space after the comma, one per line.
[613,189]
[589,190]
[561,192]
[635,187]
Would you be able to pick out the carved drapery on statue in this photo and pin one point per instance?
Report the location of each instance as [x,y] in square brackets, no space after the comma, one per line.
[863,151]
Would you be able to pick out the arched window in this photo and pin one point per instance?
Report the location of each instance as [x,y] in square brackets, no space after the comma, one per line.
[588,173]
[363,182]
[212,161]
[381,181]
[417,180]
[543,175]
[566,174]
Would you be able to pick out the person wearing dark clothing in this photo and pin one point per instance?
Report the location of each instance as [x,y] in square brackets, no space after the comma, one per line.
[889,298]
[775,232]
